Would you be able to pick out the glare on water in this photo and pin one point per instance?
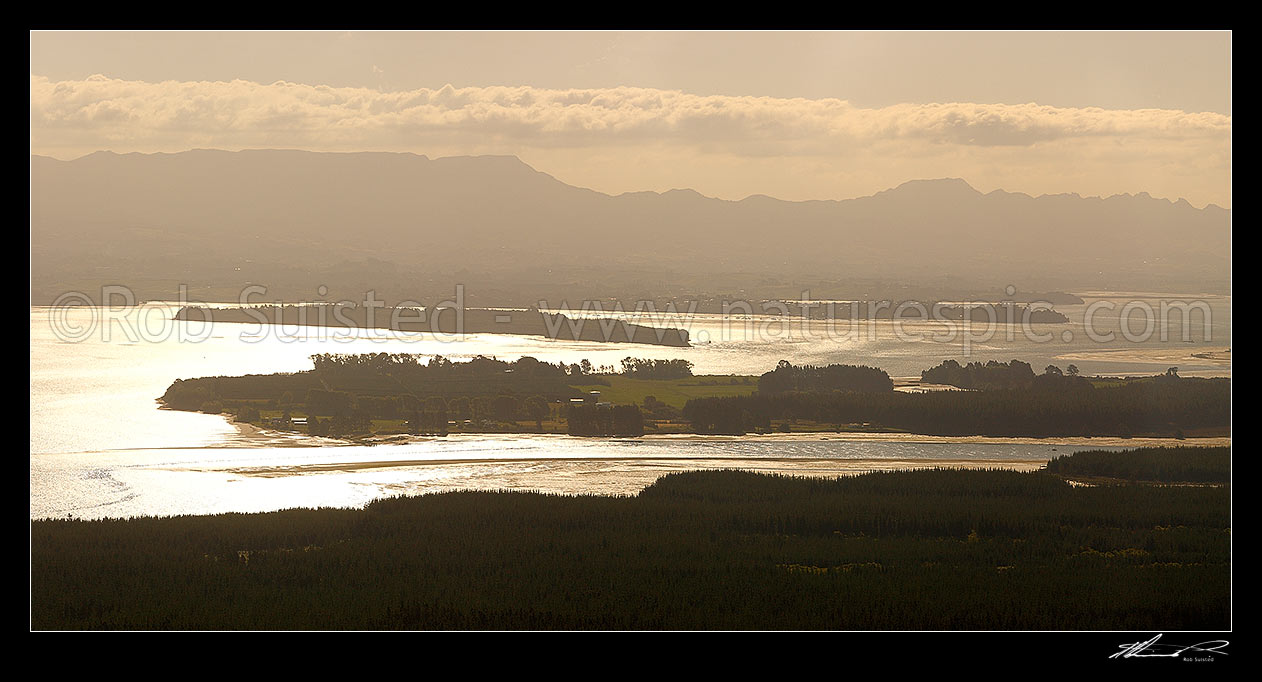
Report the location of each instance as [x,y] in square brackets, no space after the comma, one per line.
[100,445]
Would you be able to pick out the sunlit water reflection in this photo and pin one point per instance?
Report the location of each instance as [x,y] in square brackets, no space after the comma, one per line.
[101,447]
[210,480]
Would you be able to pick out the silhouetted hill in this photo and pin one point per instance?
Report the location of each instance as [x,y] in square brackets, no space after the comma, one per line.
[228,218]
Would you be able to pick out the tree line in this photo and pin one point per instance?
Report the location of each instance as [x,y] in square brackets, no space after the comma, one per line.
[1162,464]
[641,368]
[1157,405]
[1003,375]
[604,420]
[787,377]
[914,550]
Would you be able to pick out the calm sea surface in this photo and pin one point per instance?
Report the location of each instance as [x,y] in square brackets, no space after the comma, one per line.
[101,447]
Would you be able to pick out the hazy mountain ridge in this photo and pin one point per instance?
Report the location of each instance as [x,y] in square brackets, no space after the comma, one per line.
[169,215]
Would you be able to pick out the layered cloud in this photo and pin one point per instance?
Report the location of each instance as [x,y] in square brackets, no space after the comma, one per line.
[102,113]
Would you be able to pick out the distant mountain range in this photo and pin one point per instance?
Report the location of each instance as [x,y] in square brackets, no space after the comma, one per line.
[295,219]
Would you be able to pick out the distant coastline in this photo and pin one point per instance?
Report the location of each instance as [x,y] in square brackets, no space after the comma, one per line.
[447,321]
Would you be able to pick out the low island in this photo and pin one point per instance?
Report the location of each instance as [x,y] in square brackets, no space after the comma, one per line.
[375,396]
[445,321]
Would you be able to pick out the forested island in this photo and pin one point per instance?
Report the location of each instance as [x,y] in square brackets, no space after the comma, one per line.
[444,320]
[911,550]
[387,395]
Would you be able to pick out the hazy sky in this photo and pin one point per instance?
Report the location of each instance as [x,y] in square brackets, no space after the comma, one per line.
[797,115]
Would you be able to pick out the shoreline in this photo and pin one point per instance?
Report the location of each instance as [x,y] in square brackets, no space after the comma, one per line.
[806,466]
[463,321]
[251,436]
[1217,356]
